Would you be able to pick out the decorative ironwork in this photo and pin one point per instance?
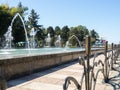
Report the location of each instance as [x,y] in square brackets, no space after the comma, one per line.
[89,74]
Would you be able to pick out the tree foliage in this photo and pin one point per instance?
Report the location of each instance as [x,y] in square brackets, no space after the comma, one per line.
[50,30]
[33,20]
[22,9]
[80,32]
[65,34]
[5,17]
[33,23]
[94,35]
[57,30]
[7,13]
[73,40]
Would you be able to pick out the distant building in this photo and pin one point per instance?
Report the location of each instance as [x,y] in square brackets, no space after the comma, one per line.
[100,41]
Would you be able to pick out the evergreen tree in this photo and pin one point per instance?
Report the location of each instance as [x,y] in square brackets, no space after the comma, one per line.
[22,9]
[33,20]
[33,23]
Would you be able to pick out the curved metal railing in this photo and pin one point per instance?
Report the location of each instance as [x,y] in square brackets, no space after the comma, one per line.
[89,74]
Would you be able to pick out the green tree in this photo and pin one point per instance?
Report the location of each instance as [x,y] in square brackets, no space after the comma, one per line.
[86,31]
[65,34]
[22,9]
[73,40]
[51,31]
[33,23]
[43,35]
[57,30]
[81,30]
[5,18]
[33,20]
[94,35]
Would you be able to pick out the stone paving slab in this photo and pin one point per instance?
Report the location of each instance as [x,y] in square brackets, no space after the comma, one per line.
[53,79]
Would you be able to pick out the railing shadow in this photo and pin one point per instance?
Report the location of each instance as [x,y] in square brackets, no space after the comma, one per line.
[115,80]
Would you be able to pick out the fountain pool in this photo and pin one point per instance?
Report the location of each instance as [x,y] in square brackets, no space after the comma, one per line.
[15,63]
[11,53]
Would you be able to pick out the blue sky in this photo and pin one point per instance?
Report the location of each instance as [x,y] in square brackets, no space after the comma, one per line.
[101,15]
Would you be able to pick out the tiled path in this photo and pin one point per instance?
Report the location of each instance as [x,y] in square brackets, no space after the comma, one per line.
[53,79]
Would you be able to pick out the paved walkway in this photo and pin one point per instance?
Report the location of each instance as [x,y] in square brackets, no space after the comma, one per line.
[53,79]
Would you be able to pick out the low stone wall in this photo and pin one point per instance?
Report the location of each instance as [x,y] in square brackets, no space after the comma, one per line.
[20,66]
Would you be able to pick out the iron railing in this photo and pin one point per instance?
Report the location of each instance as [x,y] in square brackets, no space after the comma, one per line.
[89,77]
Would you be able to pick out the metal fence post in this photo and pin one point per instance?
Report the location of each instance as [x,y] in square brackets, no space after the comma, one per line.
[3,85]
[3,81]
[88,67]
[115,57]
[112,56]
[105,63]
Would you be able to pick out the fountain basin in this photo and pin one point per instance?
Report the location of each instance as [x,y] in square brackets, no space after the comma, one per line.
[15,67]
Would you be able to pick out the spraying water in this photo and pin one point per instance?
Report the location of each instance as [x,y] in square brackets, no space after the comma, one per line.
[32,34]
[67,43]
[8,38]
[48,41]
[8,34]
[58,41]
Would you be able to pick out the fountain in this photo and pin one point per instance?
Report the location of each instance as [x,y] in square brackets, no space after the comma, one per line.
[58,41]
[8,35]
[18,62]
[67,43]
[48,41]
[32,40]
[8,38]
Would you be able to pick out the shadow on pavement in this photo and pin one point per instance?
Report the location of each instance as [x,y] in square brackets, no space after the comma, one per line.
[115,80]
